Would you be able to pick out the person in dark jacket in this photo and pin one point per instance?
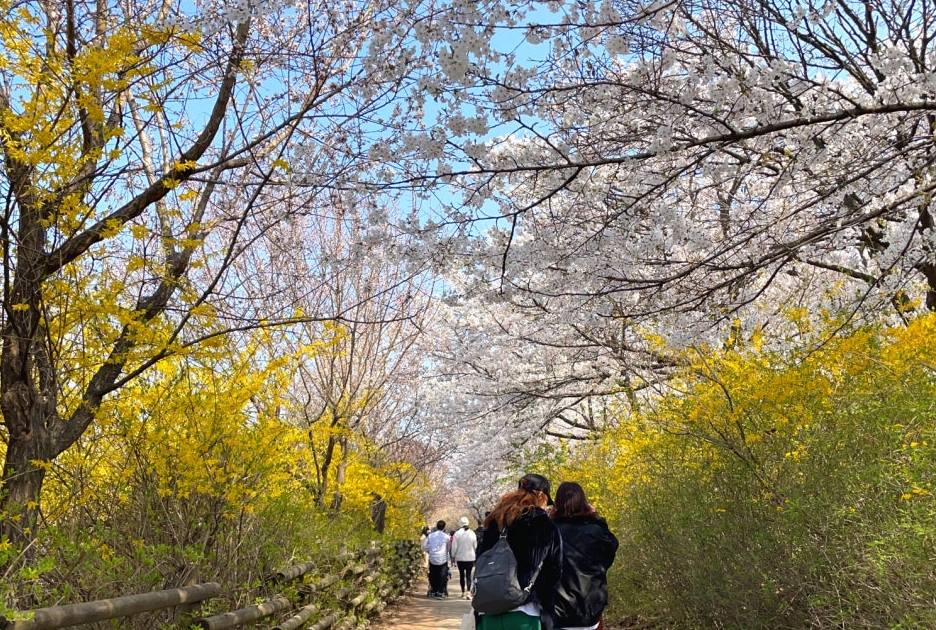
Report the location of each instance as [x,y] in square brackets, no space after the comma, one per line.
[588,550]
[479,532]
[534,540]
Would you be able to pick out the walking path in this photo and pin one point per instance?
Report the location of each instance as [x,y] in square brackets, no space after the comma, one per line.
[415,611]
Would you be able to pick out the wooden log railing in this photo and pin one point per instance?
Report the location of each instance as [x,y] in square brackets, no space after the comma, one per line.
[355,587]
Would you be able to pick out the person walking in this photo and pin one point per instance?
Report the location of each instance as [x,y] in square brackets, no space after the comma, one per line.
[437,546]
[588,550]
[479,532]
[534,540]
[423,535]
[464,546]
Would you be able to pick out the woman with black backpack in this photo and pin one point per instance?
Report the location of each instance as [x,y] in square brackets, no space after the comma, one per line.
[534,540]
[588,550]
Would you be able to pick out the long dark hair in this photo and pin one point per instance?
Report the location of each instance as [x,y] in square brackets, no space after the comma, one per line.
[571,501]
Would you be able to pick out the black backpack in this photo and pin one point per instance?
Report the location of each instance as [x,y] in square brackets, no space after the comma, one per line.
[496,588]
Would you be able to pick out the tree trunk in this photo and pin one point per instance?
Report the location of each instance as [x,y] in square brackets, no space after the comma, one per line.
[22,484]
[29,413]
[323,470]
[379,513]
[340,472]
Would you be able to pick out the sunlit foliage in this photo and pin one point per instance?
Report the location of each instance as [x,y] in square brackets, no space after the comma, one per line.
[198,468]
[779,489]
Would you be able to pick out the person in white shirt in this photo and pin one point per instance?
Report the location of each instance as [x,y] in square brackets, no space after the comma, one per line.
[437,546]
[464,546]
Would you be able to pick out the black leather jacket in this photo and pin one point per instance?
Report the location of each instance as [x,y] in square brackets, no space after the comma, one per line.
[533,537]
[588,549]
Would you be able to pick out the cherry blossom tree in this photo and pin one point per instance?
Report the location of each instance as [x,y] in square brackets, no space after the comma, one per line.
[671,174]
[686,157]
[596,181]
[359,387]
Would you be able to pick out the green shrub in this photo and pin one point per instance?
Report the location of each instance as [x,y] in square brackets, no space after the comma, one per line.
[781,491]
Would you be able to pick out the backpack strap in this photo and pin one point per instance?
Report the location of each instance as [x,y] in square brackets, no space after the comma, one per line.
[536,573]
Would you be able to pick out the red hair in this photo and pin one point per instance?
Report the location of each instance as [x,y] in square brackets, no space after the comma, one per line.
[512,506]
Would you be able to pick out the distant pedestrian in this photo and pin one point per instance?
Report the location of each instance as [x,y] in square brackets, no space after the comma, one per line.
[464,546]
[437,546]
[479,532]
[588,550]
[423,534]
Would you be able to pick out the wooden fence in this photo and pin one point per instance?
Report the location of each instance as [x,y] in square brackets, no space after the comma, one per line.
[342,595]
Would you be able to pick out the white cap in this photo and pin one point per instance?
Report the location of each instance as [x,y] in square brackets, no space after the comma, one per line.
[463,521]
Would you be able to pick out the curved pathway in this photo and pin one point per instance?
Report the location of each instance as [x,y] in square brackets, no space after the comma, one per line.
[415,611]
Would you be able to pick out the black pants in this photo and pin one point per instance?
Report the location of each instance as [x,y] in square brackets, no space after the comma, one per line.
[438,577]
[464,574]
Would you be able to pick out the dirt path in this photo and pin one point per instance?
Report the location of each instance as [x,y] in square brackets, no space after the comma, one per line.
[415,611]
